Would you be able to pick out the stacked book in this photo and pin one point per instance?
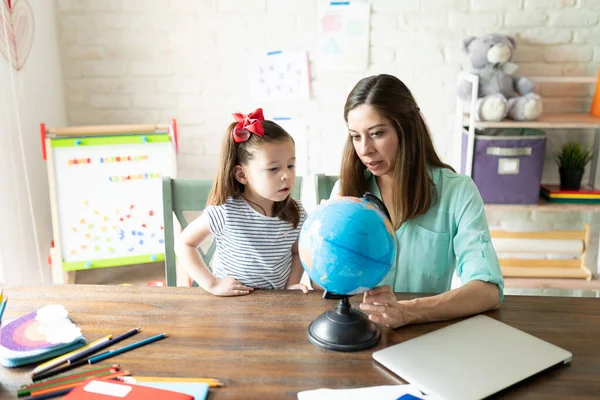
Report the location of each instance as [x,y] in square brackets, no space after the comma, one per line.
[586,194]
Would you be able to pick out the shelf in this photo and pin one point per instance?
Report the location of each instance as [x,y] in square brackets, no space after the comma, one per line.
[543,205]
[551,272]
[546,121]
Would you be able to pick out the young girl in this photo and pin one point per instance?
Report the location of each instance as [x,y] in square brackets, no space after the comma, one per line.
[251,214]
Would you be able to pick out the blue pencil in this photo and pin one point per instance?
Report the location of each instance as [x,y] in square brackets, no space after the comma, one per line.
[101,346]
[3,306]
[116,352]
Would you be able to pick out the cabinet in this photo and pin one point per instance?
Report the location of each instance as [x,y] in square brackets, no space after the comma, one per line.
[546,122]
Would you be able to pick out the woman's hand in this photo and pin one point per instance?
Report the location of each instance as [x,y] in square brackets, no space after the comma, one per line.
[381,306]
[229,287]
[298,286]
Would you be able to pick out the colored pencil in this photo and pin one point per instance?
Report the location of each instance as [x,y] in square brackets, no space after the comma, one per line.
[212,382]
[112,353]
[63,358]
[73,384]
[74,375]
[59,370]
[101,346]
[3,306]
[51,395]
[46,385]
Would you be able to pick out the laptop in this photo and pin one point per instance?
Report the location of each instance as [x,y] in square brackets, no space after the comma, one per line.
[471,359]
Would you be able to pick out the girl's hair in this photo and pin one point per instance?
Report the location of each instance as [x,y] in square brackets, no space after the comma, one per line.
[413,192]
[232,154]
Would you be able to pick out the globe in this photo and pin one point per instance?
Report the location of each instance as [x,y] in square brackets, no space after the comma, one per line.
[347,245]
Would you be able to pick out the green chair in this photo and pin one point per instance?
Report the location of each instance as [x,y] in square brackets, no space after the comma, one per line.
[181,195]
[324,185]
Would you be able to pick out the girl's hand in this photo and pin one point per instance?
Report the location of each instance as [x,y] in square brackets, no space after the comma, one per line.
[298,286]
[229,287]
[381,306]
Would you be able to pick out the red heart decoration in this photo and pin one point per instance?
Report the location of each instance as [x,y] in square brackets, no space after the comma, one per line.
[16,31]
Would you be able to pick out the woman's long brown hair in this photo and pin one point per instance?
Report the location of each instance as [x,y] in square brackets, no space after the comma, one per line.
[413,192]
[232,154]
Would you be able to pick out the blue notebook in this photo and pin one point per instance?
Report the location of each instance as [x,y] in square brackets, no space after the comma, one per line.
[198,390]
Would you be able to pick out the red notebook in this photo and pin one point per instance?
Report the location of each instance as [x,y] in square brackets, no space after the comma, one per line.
[96,389]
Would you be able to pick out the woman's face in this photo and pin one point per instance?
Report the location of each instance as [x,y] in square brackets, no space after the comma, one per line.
[374,138]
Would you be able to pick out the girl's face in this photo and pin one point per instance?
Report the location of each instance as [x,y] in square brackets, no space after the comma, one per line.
[271,173]
[374,138]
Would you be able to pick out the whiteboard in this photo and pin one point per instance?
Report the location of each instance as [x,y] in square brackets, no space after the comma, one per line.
[109,197]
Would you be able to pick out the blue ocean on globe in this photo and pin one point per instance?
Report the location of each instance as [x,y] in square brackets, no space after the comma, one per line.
[347,245]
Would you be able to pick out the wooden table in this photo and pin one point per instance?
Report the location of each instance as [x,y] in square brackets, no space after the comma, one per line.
[257,344]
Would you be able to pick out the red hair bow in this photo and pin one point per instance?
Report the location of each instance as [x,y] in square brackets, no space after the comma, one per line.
[246,124]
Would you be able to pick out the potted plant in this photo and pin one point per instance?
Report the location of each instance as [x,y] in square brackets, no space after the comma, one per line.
[572,160]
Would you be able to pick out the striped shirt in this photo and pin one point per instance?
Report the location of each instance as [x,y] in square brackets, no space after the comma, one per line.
[251,247]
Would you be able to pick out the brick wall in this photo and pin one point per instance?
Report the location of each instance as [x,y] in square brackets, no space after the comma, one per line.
[144,61]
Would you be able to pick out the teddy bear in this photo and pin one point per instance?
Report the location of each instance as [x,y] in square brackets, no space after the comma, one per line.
[501,94]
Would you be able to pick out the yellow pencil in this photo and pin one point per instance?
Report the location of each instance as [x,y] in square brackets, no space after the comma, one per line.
[212,382]
[61,359]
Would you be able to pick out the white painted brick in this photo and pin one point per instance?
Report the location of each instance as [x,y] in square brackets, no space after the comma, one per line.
[275,22]
[525,18]
[478,20]
[587,35]
[202,6]
[386,21]
[91,85]
[593,68]
[444,5]
[136,5]
[136,85]
[150,69]
[185,38]
[589,4]
[546,36]
[153,101]
[103,68]
[64,5]
[109,100]
[191,101]
[526,53]
[190,116]
[146,37]
[389,38]
[93,5]
[423,20]
[381,55]
[394,6]
[85,52]
[568,53]
[574,17]
[548,3]
[575,69]
[246,6]
[79,20]
[539,69]
[121,20]
[179,85]
[431,55]
[75,100]
[597,53]
[135,53]
[565,105]
[495,5]
[291,7]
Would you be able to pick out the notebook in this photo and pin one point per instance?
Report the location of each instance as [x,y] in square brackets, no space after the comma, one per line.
[197,390]
[471,359]
[96,389]
[39,335]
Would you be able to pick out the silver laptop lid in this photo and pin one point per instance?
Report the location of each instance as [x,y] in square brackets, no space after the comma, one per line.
[471,359]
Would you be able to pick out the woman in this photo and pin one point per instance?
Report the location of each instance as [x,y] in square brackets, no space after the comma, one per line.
[438,215]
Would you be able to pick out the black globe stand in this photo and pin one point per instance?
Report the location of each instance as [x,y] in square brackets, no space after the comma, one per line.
[343,329]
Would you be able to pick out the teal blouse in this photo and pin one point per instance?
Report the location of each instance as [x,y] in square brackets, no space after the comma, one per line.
[453,235]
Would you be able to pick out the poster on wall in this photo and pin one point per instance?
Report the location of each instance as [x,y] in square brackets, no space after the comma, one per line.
[344,36]
[281,76]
